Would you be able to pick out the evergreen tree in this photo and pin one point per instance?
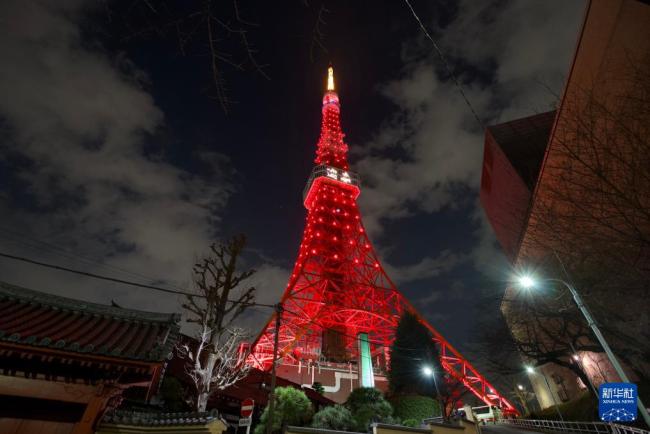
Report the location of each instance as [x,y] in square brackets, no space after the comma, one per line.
[412,351]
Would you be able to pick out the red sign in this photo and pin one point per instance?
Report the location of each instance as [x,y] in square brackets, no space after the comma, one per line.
[247,406]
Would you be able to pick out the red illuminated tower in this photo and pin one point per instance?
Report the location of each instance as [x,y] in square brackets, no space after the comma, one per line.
[339,300]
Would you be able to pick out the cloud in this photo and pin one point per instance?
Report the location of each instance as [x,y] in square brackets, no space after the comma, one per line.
[270,282]
[486,255]
[79,131]
[426,268]
[517,51]
[437,142]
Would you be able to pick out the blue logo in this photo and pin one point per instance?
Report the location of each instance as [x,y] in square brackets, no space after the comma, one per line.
[617,402]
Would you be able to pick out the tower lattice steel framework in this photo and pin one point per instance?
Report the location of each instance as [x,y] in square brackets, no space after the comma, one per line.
[338,284]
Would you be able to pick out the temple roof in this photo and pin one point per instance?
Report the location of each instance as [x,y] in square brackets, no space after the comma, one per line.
[46,321]
[137,418]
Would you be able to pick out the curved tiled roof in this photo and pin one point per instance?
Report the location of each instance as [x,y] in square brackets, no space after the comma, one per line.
[48,321]
[138,418]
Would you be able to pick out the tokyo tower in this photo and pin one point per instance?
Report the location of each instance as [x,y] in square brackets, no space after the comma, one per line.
[340,308]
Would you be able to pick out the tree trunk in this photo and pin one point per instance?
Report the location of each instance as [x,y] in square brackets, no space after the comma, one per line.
[583,377]
[205,392]
[202,401]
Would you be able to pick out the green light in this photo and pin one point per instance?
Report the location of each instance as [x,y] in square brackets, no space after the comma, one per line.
[366,376]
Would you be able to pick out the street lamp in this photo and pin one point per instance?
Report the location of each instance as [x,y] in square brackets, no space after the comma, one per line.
[530,370]
[528,281]
[520,387]
[429,372]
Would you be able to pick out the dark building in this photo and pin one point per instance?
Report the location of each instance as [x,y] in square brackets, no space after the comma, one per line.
[512,159]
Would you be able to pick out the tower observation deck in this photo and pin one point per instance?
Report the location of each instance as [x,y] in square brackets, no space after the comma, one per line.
[340,308]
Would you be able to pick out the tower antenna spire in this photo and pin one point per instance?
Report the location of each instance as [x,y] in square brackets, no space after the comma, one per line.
[330,78]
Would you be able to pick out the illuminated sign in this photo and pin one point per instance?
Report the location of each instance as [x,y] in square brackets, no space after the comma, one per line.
[339,175]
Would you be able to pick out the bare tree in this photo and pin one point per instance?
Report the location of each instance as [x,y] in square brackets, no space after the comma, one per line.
[215,30]
[592,217]
[215,361]
[552,331]
[450,393]
[521,393]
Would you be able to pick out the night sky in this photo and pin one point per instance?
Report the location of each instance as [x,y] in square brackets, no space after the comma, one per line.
[115,157]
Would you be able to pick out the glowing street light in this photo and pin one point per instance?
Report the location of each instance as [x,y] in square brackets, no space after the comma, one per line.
[527,281]
[520,387]
[427,371]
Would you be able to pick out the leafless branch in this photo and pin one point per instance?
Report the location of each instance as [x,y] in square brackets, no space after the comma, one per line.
[214,360]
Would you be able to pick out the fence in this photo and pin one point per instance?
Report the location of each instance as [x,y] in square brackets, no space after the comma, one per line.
[575,427]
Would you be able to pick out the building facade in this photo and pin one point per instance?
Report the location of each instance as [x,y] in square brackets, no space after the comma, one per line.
[568,195]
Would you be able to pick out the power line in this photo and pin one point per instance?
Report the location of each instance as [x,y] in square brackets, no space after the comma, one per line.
[170,291]
[122,281]
[446,64]
[38,245]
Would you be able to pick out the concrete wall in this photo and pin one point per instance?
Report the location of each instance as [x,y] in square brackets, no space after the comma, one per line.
[504,197]
[339,380]
[214,427]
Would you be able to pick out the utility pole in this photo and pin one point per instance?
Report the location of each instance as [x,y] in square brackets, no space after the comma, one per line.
[278,318]
[601,339]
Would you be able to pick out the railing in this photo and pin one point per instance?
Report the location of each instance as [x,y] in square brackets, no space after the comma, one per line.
[575,427]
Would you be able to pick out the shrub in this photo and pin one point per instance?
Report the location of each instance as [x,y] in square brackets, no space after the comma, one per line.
[318,387]
[368,405]
[292,407]
[415,407]
[335,417]
[413,423]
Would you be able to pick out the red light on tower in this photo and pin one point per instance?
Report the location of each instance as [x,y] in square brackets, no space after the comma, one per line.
[338,291]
